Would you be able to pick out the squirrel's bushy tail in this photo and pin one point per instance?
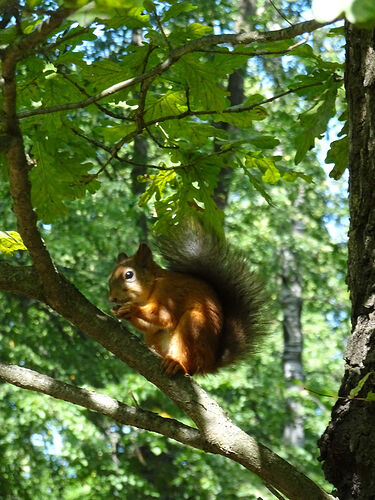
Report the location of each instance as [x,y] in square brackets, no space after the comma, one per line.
[189,249]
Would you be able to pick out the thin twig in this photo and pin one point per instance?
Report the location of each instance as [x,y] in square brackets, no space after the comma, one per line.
[274,492]
[108,149]
[157,142]
[280,13]
[104,110]
[186,113]
[334,396]
[192,46]
[160,26]
[256,53]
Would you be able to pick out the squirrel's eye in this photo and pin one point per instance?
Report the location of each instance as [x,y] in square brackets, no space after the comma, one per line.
[129,275]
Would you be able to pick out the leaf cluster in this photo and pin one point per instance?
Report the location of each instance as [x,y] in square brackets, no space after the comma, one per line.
[179,107]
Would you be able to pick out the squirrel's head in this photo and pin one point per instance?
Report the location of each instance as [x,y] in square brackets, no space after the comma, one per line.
[133,277]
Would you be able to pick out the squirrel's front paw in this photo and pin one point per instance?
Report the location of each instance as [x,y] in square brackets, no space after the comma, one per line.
[123,311]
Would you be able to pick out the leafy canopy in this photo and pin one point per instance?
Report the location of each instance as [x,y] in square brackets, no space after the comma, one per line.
[82,106]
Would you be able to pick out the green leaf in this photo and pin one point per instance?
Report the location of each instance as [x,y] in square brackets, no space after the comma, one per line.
[177,9]
[57,179]
[304,50]
[292,176]
[149,5]
[104,73]
[265,142]
[271,175]
[10,241]
[197,30]
[159,183]
[170,104]
[339,155]
[205,91]
[255,167]
[189,188]
[74,37]
[314,122]
[111,13]
[191,134]
[30,27]
[370,396]
[258,185]
[361,13]
[357,389]
[242,119]
[115,133]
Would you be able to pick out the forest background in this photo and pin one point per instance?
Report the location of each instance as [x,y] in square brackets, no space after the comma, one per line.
[226,131]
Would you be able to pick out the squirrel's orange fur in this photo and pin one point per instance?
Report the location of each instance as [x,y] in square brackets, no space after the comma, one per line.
[180,316]
[198,320]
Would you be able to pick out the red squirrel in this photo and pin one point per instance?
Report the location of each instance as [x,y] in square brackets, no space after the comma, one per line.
[200,314]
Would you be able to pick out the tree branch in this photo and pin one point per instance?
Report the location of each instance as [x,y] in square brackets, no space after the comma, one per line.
[216,429]
[18,166]
[20,186]
[120,412]
[235,110]
[176,54]
[101,108]
[109,149]
[21,47]
[21,281]
[115,149]
[256,53]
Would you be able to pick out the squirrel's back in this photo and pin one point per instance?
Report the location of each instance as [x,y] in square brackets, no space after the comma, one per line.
[189,249]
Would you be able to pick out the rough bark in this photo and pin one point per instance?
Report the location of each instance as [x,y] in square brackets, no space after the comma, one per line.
[347,446]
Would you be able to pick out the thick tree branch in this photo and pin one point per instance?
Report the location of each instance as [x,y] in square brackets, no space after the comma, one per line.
[176,54]
[122,413]
[217,431]
[220,433]
[18,166]
[18,169]
[21,281]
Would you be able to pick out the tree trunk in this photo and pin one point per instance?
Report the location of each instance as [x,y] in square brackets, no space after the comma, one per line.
[348,444]
[246,8]
[291,305]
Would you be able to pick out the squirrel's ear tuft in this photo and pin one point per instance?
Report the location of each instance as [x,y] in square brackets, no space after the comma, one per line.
[121,257]
[144,253]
